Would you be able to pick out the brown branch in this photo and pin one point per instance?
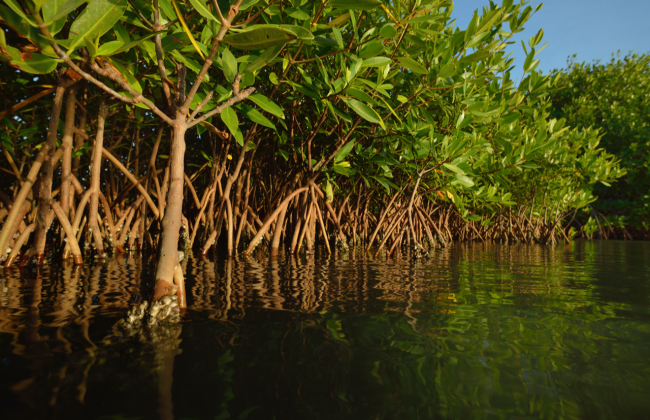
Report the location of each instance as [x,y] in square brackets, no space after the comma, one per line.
[270,220]
[235,99]
[22,195]
[132,178]
[26,102]
[115,76]
[225,25]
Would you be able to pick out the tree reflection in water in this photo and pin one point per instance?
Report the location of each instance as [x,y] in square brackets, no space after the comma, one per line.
[475,330]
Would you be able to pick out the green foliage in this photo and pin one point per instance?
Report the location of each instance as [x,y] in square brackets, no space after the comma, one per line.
[384,92]
[613,97]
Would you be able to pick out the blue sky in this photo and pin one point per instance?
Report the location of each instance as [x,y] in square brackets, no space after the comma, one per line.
[592,29]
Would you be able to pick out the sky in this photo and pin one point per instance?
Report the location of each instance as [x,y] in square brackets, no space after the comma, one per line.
[592,29]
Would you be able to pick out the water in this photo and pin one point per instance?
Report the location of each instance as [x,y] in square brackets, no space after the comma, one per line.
[474,332]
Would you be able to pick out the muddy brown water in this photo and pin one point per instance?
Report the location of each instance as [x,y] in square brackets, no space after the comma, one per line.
[475,331]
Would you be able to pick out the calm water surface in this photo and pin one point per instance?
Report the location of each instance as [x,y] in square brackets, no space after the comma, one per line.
[473,332]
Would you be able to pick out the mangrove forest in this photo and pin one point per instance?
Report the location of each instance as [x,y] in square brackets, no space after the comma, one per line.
[323,209]
[249,126]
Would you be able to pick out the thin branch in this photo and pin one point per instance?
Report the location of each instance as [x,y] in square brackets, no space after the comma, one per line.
[159,55]
[234,9]
[26,102]
[144,19]
[216,6]
[203,103]
[115,76]
[235,99]
[133,179]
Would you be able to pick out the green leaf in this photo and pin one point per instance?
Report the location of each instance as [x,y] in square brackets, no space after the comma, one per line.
[371,49]
[387,31]
[296,13]
[489,20]
[365,112]
[247,3]
[267,105]
[229,64]
[38,4]
[121,33]
[530,166]
[229,117]
[477,56]
[465,180]
[239,136]
[477,40]
[209,159]
[341,169]
[464,121]
[386,183]
[260,38]
[133,43]
[355,4]
[534,40]
[96,19]
[38,64]
[13,4]
[191,64]
[90,46]
[454,168]
[247,79]
[447,70]
[329,192]
[339,20]
[187,29]
[339,38]
[50,10]
[127,74]
[425,18]
[17,23]
[108,48]
[299,31]
[344,151]
[360,95]
[532,66]
[57,9]
[324,72]
[263,59]
[339,112]
[376,62]
[412,65]
[133,19]
[284,154]
[167,9]
[305,90]
[529,58]
[199,6]
[255,116]
[206,35]
[509,118]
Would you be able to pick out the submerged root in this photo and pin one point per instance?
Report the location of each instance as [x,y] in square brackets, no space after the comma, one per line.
[147,318]
[419,251]
[155,326]
[342,244]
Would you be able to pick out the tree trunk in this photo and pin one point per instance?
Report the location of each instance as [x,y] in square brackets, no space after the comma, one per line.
[45,193]
[20,198]
[275,244]
[66,144]
[95,177]
[79,140]
[171,222]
